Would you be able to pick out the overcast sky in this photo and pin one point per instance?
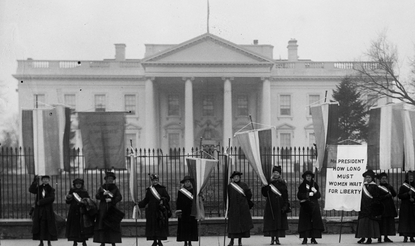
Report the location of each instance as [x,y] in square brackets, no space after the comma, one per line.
[327,30]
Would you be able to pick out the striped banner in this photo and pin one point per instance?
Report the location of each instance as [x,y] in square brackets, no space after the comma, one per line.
[385,137]
[325,122]
[257,147]
[408,117]
[200,170]
[47,132]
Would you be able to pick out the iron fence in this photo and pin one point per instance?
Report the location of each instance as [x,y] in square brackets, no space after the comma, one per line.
[16,201]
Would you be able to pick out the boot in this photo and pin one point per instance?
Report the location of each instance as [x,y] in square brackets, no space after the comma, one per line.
[239,241]
[412,240]
[272,241]
[75,244]
[362,240]
[231,242]
[405,239]
[277,241]
[387,240]
[313,241]
[159,243]
[368,241]
[185,243]
[84,243]
[154,243]
[49,243]
[304,241]
[41,243]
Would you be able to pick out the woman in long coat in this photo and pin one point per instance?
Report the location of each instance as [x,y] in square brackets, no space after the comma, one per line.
[44,225]
[310,224]
[387,222]
[406,226]
[370,210]
[275,217]
[79,226]
[108,196]
[240,220]
[187,228]
[157,218]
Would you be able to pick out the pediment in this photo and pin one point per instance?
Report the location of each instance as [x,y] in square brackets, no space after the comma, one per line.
[206,49]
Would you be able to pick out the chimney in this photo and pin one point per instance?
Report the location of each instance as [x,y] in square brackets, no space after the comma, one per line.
[120,52]
[292,50]
[255,41]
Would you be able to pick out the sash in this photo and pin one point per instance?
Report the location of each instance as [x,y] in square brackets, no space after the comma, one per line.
[384,189]
[237,188]
[155,193]
[187,193]
[77,197]
[366,192]
[275,190]
[409,187]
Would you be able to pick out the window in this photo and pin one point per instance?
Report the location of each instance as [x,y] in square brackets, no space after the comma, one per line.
[39,100]
[208,105]
[130,103]
[285,105]
[173,105]
[312,100]
[285,143]
[242,105]
[70,101]
[174,145]
[100,103]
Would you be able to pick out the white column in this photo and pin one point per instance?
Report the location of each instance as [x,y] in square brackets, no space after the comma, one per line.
[188,115]
[266,102]
[227,112]
[150,122]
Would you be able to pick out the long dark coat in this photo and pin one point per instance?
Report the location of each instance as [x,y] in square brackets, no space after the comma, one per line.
[368,225]
[387,223]
[157,221]
[187,228]
[240,220]
[406,212]
[44,224]
[310,223]
[275,220]
[105,233]
[79,226]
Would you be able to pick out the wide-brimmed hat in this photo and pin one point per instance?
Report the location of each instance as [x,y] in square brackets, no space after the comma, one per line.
[308,172]
[277,168]
[380,175]
[45,176]
[186,178]
[236,173]
[109,174]
[369,173]
[78,181]
[153,176]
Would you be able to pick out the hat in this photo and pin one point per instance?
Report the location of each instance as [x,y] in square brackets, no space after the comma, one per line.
[78,181]
[380,175]
[109,174]
[370,173]
[277,168]
[236,173]
[45,176]
[186,178]
[308,172]
[153,176]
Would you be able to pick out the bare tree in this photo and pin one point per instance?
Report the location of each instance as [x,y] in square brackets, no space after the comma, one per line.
[380,76]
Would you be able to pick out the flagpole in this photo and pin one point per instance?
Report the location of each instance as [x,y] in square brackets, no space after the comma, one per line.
[135,194]
[197,198]
[226,201]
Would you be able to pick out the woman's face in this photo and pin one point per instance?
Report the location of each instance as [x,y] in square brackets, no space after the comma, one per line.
[384,180]
[187,184]
[276,175]
[155,181]
[45,180]
[368,179]
[410,178]
[236,178]
[110,180]
[78,185]
[308,177]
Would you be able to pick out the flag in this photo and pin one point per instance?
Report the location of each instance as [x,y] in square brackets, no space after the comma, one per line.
[133,182]
[103,139]
[408,117]
[325,122]
[46,132]
[200,170]
[385,141]
[257,147]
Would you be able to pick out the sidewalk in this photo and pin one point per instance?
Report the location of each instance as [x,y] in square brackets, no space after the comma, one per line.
[328,239]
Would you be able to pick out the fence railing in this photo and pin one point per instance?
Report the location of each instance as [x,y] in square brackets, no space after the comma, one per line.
[16,201]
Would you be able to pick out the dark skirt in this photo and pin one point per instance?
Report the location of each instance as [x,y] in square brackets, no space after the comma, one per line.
[106,236]
[387,226]
[276,233]
[245,234]
[314,233]
[44,232]
[367,228]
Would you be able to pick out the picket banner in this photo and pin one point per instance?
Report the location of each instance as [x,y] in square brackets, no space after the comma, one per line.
[344,181]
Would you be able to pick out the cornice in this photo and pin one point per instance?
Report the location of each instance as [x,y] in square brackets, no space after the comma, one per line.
[305,78]
[207,64]
[79,77]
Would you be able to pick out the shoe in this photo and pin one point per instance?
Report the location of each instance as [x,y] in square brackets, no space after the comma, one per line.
[379,240]
[405,239]
[313,241]
[75,244]
[189,244]
[41,244]
[368,241]
[362,240]
[387,240]
[272,241]
[304,241]
[154,243]
[84,244]
[277,241]
[230,243]
[49,243]
[160,243]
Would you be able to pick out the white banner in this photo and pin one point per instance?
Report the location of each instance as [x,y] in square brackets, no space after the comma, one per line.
[344,179]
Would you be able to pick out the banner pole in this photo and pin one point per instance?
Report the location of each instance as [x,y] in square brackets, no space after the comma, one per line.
[341,225]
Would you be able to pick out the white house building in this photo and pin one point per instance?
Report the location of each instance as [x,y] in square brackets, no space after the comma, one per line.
[204,88]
